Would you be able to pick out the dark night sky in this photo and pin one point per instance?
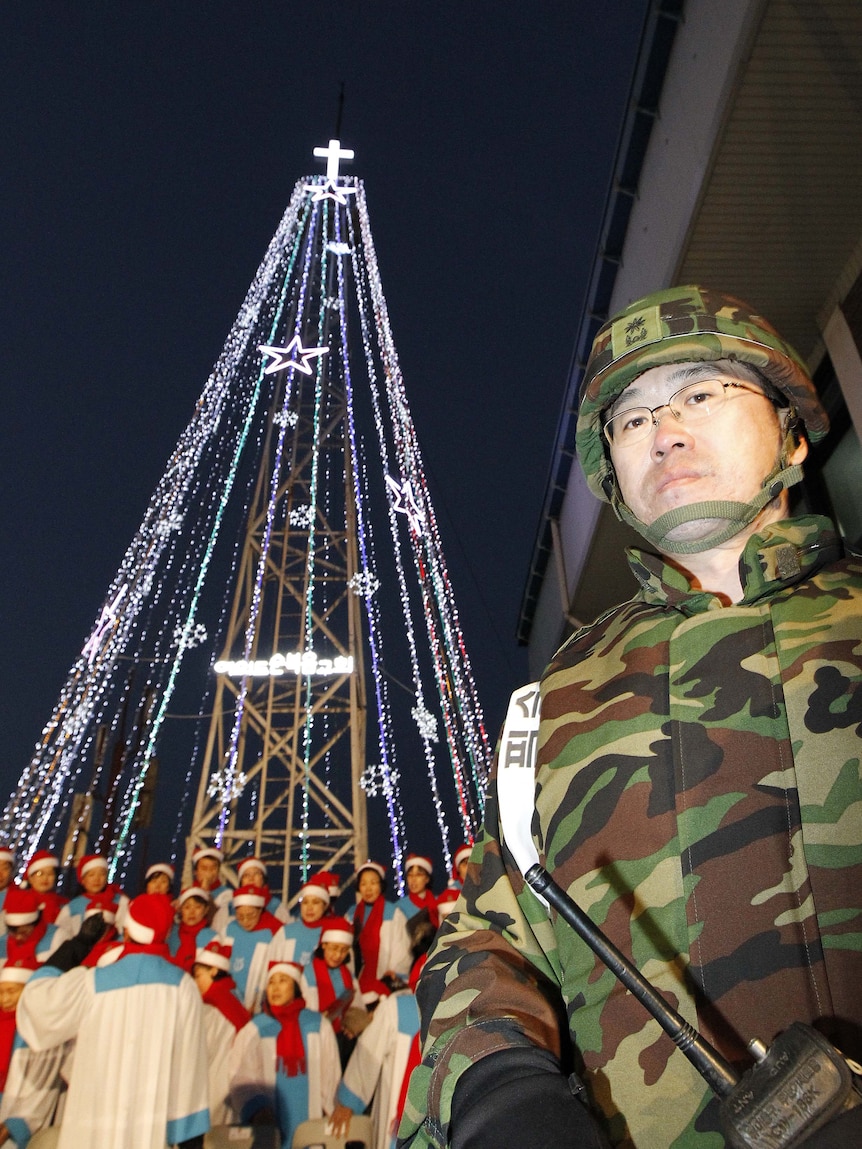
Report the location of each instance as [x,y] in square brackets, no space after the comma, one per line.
[148,151]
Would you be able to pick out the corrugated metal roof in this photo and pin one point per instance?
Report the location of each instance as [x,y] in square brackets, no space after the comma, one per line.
[782,210]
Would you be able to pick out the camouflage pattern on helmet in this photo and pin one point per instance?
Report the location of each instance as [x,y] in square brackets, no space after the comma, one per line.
[683,325]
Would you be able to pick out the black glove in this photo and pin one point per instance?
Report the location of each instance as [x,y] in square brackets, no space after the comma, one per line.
[520,1097]
[72,952]
[192,1143]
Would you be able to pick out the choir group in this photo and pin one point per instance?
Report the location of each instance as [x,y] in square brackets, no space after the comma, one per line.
[146,1022]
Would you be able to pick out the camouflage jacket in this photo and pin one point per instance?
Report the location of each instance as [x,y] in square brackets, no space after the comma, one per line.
[698,792]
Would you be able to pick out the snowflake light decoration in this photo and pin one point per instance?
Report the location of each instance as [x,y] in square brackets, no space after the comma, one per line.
[302,516]
[285,419]
[364,584]
[332,302]
[376,780]
[196,636]
[226,786]
[426,722]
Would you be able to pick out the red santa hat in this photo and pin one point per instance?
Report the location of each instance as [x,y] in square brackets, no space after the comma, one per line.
[462,854]
[248,896]
[421,861]
[7,855]
[160,868]
[323,885]
[214,954]
[207,852]
[90,862]
[446,901]
[338,930]
[375,866]
[19,974]
[194,892]
[149,919]
[21,906]
[40,860]
[250,864]
[289,967]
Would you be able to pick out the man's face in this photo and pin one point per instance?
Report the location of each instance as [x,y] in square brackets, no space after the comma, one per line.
[206,873]
[10,991]
[370,887]
[5,874]
[462,869]
[95,880]
[311,909]
[204,976]
[43,879]
[280,989]
[334,953]
[248,916]
[726,456]
[193,911]
[417,880]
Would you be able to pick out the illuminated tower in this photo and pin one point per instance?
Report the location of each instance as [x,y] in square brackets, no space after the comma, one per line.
[338,672]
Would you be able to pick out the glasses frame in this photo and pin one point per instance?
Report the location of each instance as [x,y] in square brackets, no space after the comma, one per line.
[679,414]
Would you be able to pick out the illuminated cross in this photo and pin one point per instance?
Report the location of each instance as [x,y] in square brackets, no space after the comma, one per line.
[332,155]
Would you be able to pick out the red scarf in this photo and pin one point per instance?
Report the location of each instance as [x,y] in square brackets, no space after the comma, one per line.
[221,996]
[329,1001]
[101,947]
[368,934]
[426,901]
[269,922]
[159,949]
[24,953]
[289,1044]
[7,1036]
[185,955]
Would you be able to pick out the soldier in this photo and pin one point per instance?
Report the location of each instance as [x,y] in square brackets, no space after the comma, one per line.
[697,782]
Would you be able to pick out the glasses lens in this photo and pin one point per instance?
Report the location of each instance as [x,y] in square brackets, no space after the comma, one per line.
[697,400]
[629,426]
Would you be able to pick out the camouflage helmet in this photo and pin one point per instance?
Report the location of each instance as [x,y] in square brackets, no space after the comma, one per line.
[683,325]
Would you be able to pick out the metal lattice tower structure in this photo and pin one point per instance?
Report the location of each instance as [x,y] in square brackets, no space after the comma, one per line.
[303,438]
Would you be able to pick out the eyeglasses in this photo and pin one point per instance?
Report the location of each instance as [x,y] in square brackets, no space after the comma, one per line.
[694,403]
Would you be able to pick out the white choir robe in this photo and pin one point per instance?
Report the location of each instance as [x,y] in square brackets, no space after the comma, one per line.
[220,1036]
[257,1083]
[139,1076]
[377,1064]
[249,962]
[34,1084]
[71,916]
[295,942]
[394,951]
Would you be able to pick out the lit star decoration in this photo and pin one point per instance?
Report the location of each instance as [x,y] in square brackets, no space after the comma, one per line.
[404,502]
[294,355]
[330,190]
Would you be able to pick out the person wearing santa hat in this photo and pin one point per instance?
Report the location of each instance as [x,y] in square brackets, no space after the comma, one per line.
[459,864]
[29,939]
[92,874]
[385,1052]
[159,878]
[206,871]
[417,872]
[249,935]
[328,984]
[140,1001]
[381,931]
[446,901]
[297,940]
[284,1063]
[191,930]
[30,1083]
[41,876]
[7,871]
[252,872]
[224,1017]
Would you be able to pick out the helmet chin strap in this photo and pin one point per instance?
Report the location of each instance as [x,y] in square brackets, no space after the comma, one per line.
[733,516]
